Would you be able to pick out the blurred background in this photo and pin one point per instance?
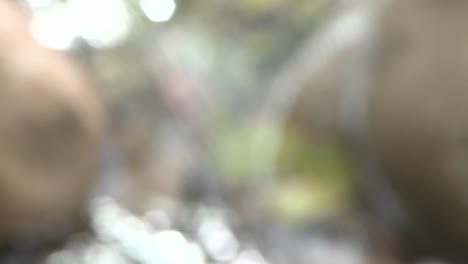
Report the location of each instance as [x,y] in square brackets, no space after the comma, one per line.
[202,160]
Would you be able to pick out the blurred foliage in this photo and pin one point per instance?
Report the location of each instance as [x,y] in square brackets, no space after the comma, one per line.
[207,67]
[230,151]
[315,156]
[266,30]
[301,202]
[315,182]
[203,77]
[201,154]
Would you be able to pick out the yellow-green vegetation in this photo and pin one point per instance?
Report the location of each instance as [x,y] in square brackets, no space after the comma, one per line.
[313,174]
[299,201]
[232,148]
[315,179]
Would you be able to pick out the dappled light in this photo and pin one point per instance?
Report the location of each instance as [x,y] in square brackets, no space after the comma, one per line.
[233,132]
